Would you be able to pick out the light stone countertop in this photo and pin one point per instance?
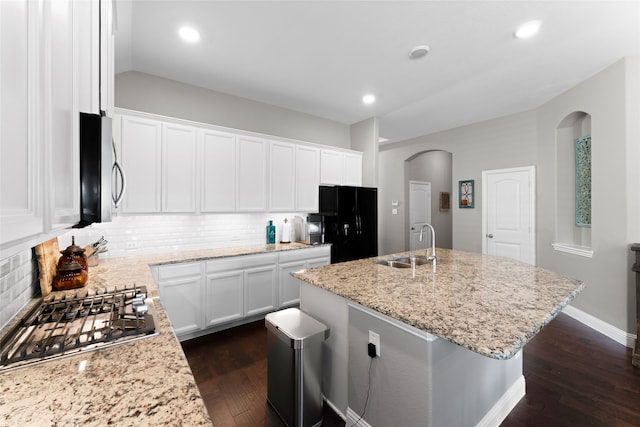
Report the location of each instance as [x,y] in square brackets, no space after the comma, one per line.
[147,382]
[490,305]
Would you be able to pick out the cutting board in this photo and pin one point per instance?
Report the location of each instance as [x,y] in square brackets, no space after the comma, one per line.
[48,254]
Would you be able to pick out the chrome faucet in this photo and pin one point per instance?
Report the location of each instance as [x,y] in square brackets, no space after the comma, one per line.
[433,257]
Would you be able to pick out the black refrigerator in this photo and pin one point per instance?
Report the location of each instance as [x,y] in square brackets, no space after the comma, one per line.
[350,221]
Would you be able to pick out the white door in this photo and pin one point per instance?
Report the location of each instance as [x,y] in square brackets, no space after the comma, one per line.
[419,213]
[508,212]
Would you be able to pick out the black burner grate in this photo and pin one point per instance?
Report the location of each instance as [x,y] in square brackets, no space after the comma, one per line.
[58,327]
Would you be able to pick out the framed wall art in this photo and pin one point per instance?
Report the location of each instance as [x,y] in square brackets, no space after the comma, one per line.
[466,189]
[444,201]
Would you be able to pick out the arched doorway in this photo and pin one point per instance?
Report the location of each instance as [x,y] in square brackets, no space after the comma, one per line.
[434,167]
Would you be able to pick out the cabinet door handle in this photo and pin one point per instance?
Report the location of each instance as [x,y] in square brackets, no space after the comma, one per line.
[490,236]
[117,195]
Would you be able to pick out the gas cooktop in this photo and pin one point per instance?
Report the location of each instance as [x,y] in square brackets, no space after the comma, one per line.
[66,326]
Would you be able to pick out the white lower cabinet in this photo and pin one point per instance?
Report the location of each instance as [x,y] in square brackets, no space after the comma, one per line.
[260,289]
[203,297]
[289,286]
[224,297]
[289,262]
[180,287]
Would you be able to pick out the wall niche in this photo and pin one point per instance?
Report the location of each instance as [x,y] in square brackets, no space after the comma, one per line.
[573,193]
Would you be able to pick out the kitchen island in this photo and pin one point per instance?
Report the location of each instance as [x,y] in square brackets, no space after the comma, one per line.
[448,339]
[146,382]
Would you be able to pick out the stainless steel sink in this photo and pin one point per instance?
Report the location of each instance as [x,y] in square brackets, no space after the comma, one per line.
[393,263]
[402,262]
[420,260]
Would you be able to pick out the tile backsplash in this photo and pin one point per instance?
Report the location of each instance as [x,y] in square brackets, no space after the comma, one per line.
[18,284]
[144,234]
[138,235]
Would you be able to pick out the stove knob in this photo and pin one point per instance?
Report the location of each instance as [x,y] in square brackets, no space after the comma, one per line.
[141,310]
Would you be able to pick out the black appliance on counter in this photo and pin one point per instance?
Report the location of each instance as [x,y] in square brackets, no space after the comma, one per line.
[350,221]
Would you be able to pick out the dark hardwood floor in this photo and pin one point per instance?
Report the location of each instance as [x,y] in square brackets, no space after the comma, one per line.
[575,376]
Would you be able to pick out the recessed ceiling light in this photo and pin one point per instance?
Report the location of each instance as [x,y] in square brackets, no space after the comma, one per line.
[368,99]
[419,51]
[189,34]
[526,30]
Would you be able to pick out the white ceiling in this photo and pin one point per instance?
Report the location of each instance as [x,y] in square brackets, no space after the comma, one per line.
[321,57]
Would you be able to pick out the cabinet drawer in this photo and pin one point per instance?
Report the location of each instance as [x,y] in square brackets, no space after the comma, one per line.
[300,254]
[172,271]
[241,262]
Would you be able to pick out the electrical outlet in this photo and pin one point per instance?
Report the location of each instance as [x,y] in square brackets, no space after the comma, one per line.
[131,245]
[374,339]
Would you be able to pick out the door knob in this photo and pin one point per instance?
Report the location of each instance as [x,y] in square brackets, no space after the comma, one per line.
[490,236]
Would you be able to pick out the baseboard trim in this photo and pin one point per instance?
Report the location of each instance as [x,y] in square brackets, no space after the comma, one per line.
[332,406]
[353,417]
[504,405]
[604,328]
[493,417]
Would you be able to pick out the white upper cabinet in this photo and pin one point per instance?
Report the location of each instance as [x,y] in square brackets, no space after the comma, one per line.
[307,178]
[352,169]
[218,163]
[21,148]
[282,173]
[107,56]
[331,165]
[251,174]
[48,53]
[62,118]
[179,168]
[172,165]
[141,160]
[88,13]
[340,168]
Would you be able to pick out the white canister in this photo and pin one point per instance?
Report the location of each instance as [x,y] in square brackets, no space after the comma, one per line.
[286,232]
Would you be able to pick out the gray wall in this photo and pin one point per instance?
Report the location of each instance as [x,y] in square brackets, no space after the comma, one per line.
[157,95]
[434,167]
[505,142]
[364,137]
[612,98]
[609,293]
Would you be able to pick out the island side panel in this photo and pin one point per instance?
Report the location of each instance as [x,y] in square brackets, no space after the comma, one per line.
[400,393]
[332,310]
[422,379]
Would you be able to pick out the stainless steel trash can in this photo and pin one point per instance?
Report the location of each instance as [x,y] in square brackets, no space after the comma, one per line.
[294,366]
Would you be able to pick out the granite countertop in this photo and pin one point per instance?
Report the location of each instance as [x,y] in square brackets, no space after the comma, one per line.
[147,382]
[490,305]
